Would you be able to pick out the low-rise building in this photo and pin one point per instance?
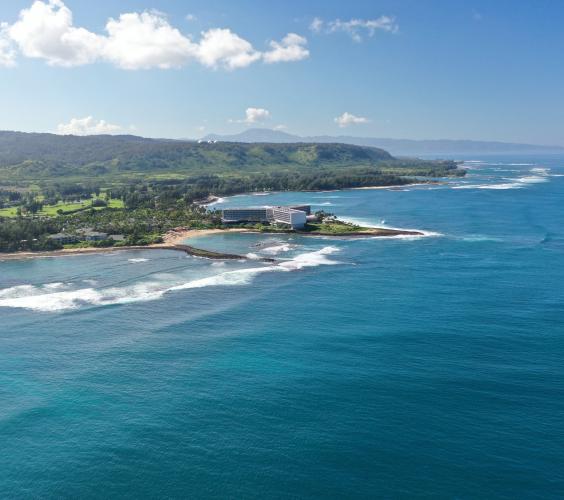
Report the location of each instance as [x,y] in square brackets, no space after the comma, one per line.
[94,236]
[64,238]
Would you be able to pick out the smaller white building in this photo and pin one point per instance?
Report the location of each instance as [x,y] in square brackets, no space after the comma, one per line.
[296,219]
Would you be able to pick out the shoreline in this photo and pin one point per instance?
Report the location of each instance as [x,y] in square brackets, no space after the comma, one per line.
[174,240]
[362,188]
[213,199]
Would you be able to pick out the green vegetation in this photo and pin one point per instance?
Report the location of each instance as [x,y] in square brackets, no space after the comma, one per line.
[39,158]
[334,227]
[140,188]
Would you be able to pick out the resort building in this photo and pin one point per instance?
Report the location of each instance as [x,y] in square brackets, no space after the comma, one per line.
[252,214]
[294,216]
[288,216]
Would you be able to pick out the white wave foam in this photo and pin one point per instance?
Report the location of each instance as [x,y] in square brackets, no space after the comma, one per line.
[540,175]
[228,278]
[276,249]
[135,261]
[477,238]
[29,290]
[507,185]
[50,302]
[214,202]
[42,298]
[383,225]
[310,259]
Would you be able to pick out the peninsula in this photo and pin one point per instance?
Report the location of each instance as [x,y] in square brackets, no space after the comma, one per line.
[70,193]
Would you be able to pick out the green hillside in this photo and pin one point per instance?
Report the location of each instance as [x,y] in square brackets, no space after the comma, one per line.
[42,156]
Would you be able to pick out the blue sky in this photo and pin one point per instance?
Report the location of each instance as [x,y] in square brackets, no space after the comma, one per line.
[406,69]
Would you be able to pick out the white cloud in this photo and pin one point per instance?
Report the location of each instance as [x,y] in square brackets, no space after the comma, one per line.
[133,41]
[291,48]
[347,119]
[7,52]
[316,25]
[223,48]
[87,126]
[191,17]
[254,115]
[146,40]
[45,31]
[355,28]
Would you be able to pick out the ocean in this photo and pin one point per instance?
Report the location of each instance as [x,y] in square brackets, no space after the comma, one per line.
[412,367]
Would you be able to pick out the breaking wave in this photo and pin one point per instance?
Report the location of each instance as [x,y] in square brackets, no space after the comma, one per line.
[52,297]
[539,175]
[383,225]
[479,238]
[214,202]
[276,249]
[135,261]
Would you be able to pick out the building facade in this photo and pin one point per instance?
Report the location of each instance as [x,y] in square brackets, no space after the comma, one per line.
[294,217]
[252,214]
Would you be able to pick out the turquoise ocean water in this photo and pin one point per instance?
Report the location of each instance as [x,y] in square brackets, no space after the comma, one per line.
[373,368]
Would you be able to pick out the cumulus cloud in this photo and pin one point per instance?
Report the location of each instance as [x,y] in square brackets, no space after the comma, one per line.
[87,126]
[255,115]
[347,119]
[355,28]
[291,48]
[133,41]
[223,48]
[146,40]
[46,31]
[7,52]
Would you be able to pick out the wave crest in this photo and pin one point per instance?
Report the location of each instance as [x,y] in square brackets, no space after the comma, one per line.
[48,298]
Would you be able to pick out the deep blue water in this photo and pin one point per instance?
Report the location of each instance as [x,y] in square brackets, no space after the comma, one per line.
[378,368]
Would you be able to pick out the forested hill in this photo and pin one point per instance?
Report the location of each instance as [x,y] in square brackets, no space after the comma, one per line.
[24,155]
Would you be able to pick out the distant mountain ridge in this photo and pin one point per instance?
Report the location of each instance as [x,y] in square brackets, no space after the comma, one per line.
[41,155]
[394,146]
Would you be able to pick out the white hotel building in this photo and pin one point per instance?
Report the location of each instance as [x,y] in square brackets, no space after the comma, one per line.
[294,217]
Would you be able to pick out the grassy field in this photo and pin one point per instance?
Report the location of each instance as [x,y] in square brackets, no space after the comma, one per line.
[333,228]
[52,210]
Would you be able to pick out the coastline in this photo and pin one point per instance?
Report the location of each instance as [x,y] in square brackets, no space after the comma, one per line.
[397,186]
[174,240]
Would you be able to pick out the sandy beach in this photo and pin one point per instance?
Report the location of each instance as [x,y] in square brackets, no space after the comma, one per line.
[175,239]
[171,239]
